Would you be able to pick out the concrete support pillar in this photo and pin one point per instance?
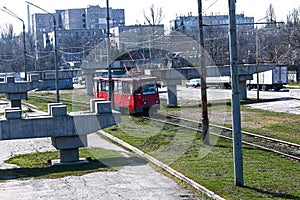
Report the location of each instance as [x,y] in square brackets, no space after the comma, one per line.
[243,90]
[16,98]
[69,155]
[16,103]
[172,95]
[89,84]
[68,145]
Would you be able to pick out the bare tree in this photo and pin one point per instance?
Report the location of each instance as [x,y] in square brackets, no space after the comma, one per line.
[271,17]
[293,18]
[155,16]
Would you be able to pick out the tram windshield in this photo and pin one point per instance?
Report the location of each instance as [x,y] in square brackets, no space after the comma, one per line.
[149,87]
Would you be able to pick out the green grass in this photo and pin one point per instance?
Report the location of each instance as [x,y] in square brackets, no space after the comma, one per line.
[267,176]
[282,126]
[37,164]
[42,99]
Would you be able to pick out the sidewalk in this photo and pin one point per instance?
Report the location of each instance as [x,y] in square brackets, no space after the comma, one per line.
[135,181]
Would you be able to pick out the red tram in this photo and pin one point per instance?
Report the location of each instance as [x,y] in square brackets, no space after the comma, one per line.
[135,94]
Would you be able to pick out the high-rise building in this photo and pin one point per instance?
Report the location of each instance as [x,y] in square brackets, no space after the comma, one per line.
[189,24]
[74,23]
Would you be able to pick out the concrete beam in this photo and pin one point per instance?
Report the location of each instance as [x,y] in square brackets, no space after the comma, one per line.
[58,124]
[12,87]
[212,71]
[93,66]
[68,132]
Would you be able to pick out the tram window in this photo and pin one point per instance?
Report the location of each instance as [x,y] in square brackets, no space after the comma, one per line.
[118,87]
[130,87]
[127,87]
[104,86]
[149,87]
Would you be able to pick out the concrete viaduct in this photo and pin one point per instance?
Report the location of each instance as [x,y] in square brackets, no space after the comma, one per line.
[68,131]
[173,77]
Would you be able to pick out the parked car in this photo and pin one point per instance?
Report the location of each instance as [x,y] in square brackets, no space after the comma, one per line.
[196,82]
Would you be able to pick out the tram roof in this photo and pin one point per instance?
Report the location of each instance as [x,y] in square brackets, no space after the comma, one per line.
[126,77]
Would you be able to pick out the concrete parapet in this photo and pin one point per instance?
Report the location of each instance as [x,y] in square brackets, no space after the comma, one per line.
[58,110]
[50,105]
[103,107]
[33,78]
[13,113]
[93,103]
[10,79]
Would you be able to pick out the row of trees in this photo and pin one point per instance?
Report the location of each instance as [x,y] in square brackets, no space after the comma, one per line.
[274,42]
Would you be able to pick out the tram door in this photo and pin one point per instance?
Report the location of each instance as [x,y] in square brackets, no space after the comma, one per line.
[127,97]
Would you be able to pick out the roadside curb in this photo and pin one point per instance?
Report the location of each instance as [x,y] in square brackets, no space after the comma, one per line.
[163,166]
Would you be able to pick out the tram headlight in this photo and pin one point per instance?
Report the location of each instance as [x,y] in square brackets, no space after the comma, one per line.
[145,102]
[156,101]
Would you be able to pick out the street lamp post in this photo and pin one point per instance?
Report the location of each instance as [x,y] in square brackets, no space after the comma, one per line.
[55,49]
[11,13]
[110,89]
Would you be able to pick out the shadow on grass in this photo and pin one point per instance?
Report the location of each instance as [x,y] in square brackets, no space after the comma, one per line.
[273,194]
[57,171]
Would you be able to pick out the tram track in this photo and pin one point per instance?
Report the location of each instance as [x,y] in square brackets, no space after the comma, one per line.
[283,148]
[63,100]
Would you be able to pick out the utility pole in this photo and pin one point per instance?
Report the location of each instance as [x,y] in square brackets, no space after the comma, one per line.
[235,99]
[54,48]
[110,82]
[205,121]
[257,63]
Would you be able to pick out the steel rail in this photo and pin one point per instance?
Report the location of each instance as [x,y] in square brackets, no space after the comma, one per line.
[286,155]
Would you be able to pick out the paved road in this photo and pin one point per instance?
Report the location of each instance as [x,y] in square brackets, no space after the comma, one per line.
[282,100]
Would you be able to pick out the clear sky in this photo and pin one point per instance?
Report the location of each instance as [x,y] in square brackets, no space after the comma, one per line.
[134,8]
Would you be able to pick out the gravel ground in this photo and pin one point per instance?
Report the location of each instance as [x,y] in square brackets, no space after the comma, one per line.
[136,181]
[283,102]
